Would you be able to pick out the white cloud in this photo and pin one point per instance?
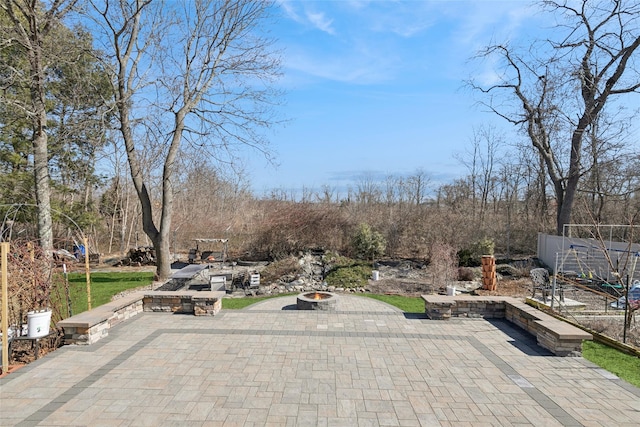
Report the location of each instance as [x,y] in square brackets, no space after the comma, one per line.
[501,21]
[289,10]
[306,16]
[382,41]
[319,21]
[346,68]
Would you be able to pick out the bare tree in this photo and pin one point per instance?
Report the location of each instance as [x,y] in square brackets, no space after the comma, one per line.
[417,186]
[369,191]
[327,194]
[212,73]
[481,162]
[557,90]
[30,24]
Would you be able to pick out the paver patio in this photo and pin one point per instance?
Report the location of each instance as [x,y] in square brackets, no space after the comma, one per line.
[365,364]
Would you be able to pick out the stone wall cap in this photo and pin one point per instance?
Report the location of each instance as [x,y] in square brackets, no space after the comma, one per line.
[101,313]
[84,320]
[190,294]
[476,298]
[564,330]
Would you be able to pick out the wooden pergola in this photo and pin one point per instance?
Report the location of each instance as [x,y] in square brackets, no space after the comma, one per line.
[205,254]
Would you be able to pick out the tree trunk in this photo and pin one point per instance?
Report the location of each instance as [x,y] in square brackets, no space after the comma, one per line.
[163,234]
[40,140]
[43,193]
[163,254]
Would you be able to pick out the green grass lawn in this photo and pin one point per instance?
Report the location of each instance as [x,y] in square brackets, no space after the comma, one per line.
[103,287]
[406,304]
[623,365]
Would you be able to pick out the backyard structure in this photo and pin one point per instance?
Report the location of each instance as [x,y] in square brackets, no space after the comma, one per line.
[588,254]
[209,250]
[604,266]
[326,301]
[599,259]
[182,294]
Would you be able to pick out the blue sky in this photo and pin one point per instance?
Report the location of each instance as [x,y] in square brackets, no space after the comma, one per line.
[376,88]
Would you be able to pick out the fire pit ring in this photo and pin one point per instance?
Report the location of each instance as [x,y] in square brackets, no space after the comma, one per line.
[317,300]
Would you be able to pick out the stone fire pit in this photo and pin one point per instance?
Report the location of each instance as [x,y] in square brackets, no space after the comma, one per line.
[317,300]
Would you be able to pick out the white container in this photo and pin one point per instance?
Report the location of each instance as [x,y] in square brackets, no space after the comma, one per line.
[375,275]
[451,291]
[254,280]
[38,323]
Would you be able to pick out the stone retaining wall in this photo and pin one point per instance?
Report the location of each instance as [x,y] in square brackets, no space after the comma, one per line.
[559,337]
[440,307]
[194,302]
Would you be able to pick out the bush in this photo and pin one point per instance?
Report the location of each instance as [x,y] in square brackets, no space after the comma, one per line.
[466,258]
[30,275]
[368,244]
[289,228]
[471,256]
[484,246]
[347,273]
[465,274]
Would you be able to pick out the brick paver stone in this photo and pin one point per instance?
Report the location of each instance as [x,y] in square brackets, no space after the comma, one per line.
[366,364]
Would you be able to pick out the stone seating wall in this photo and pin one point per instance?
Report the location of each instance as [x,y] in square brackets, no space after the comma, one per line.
[198,303]
[91,326]
[559,337]
[88,327]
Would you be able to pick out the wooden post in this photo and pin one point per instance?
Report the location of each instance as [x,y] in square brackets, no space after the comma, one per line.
[32,257]
[489,281]
[87,272]
[4,249]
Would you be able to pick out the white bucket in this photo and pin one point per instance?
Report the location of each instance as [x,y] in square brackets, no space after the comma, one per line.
[38,323]
[375,275]
[451,291]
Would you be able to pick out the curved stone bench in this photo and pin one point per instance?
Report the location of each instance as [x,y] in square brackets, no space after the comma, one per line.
[559,337]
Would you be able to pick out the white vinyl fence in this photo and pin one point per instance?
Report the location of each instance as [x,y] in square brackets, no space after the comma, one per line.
[587,258]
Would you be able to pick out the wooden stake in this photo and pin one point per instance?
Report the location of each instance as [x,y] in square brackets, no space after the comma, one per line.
[87,272]
[4,249]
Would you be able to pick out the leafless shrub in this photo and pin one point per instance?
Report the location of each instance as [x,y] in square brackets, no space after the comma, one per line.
[613,328]
[598,326]
[29,277]
[288,228]
[444,263]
